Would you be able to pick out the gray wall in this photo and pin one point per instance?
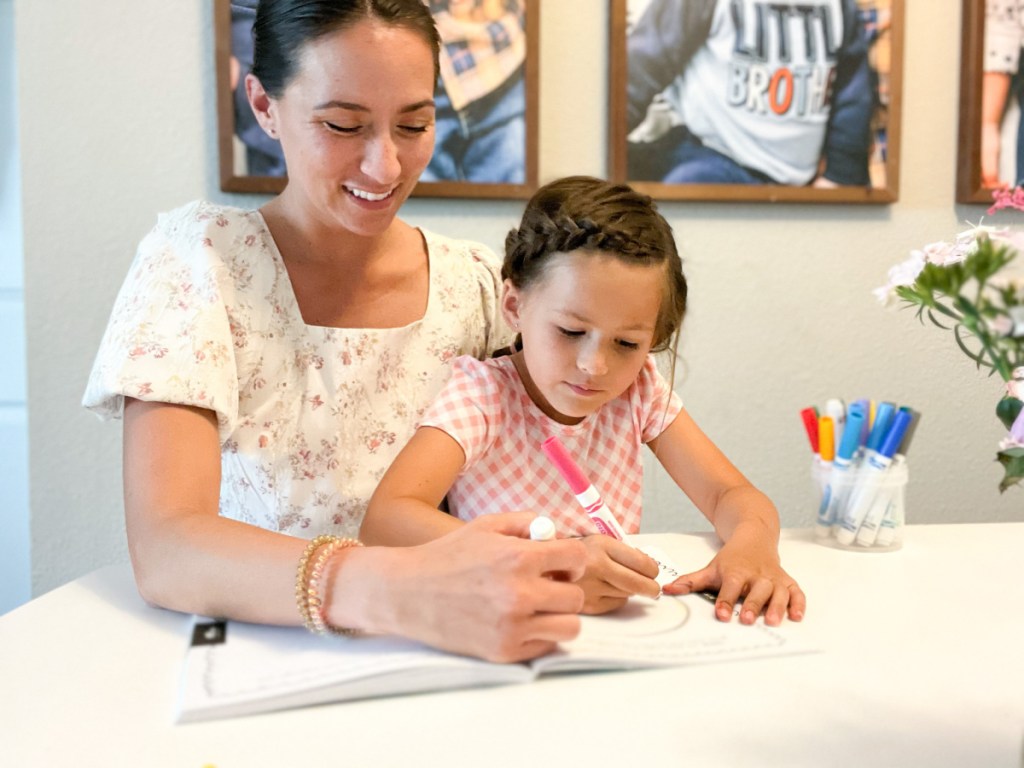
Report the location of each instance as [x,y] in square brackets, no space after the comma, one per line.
[118,123]
[15,586]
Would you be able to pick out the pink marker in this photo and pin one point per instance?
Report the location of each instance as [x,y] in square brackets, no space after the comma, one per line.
[585,493]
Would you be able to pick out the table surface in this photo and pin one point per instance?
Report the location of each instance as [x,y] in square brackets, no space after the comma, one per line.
[921,665]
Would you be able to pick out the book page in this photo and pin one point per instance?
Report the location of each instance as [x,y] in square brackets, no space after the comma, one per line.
[253,668]
[670,631]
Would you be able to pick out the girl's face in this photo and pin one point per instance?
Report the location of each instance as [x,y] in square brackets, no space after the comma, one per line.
[356,124]
[587,325]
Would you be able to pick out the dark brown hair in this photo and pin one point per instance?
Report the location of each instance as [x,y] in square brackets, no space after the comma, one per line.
[585,213]
[283,27]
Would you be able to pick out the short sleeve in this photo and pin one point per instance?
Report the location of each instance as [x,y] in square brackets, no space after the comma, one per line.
[656,405]
[468,408]
[1004,35]
[169,338]
[488,270]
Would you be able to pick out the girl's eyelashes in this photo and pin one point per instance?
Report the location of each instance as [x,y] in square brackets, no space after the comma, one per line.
[623,343]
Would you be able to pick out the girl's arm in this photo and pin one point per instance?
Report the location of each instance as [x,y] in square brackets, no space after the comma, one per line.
[482,591]
[745,520]
[404,508]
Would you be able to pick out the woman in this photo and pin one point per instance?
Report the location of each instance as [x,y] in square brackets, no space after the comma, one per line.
[271,363]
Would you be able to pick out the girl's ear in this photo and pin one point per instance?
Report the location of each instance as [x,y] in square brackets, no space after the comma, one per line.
[263,107]
[511,304]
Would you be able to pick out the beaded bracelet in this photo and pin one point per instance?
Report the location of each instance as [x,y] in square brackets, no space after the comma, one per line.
[308,581]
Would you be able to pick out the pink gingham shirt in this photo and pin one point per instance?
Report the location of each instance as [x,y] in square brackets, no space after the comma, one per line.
[486,409]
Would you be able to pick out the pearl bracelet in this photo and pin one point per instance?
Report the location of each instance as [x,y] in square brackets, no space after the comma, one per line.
[308,580]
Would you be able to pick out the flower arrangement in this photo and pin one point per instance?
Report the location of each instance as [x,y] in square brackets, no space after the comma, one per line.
[966,287]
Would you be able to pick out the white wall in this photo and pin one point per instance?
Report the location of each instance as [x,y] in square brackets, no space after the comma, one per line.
[118,123]
[15,585]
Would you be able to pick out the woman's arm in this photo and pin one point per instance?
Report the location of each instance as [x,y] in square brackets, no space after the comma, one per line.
[404,508]
[482,591]
[186,557]
[745,520]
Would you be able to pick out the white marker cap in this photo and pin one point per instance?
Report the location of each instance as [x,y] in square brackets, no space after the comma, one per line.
[542,529]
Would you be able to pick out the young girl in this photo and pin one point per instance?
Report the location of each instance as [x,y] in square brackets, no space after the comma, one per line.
[592,285]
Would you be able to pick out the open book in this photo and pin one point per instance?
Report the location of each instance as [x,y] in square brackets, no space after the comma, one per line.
[236,669]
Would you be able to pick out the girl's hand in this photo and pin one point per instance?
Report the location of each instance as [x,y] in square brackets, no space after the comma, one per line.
[747,566]
[614,572]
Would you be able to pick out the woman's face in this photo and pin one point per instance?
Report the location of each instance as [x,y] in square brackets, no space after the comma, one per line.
[356,124]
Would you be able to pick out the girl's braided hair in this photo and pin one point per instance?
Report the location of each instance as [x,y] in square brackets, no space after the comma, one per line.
[582,213]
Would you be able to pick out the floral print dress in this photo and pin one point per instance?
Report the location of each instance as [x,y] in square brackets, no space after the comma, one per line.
[309,417]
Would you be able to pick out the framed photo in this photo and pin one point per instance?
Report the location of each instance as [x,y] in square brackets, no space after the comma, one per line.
[991,133]
[487,101]
[750,100]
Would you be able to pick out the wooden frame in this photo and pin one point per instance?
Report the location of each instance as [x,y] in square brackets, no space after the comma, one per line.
[969,185]
[884,174]
[234,177]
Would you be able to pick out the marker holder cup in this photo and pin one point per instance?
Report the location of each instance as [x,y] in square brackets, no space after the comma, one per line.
[877,525]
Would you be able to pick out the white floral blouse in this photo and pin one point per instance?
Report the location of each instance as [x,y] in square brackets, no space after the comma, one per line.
[309,417]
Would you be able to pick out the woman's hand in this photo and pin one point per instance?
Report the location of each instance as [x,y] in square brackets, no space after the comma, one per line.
[615,571]
[747,566]
[483,590]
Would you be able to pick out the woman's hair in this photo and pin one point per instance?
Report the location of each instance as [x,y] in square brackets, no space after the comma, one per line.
[585,213]
[283,27]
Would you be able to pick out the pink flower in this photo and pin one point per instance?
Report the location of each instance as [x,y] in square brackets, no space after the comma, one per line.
[1007,198]
[1015,386]
[904,273]
[1016,437]
[942,254]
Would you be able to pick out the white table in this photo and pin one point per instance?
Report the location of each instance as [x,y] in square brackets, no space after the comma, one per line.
[922,665]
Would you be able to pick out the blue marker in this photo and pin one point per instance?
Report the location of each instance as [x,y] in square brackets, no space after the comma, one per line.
[833,501]
[883,420]
[870,480]
[893,519]
[865,426]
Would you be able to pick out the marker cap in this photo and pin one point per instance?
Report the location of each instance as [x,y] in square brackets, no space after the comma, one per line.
[883,420]
[894,436]
[851,432]
[542,529]
[810,419]
[827,438]
[563,461]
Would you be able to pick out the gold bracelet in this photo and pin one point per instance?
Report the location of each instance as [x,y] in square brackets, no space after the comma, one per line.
[302,578]
[308,583]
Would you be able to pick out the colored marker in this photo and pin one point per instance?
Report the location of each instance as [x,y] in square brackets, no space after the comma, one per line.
[585,493]
[865,427]
[827,452]
[883,420]
[834,501]
[893,518]
[870,479]
[836,409]
[810,419]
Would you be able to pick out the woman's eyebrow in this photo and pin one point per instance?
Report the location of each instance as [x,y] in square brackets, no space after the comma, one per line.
[353,107]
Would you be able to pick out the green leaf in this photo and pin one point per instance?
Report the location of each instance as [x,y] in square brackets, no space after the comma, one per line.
[1008,409]
[1012,460]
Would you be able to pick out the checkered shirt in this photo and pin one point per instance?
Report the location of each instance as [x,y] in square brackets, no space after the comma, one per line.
[486,409]
[477,56]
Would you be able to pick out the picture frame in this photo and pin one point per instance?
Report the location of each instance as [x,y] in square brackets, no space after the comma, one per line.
[973,174]
[515,102]
[678,164]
